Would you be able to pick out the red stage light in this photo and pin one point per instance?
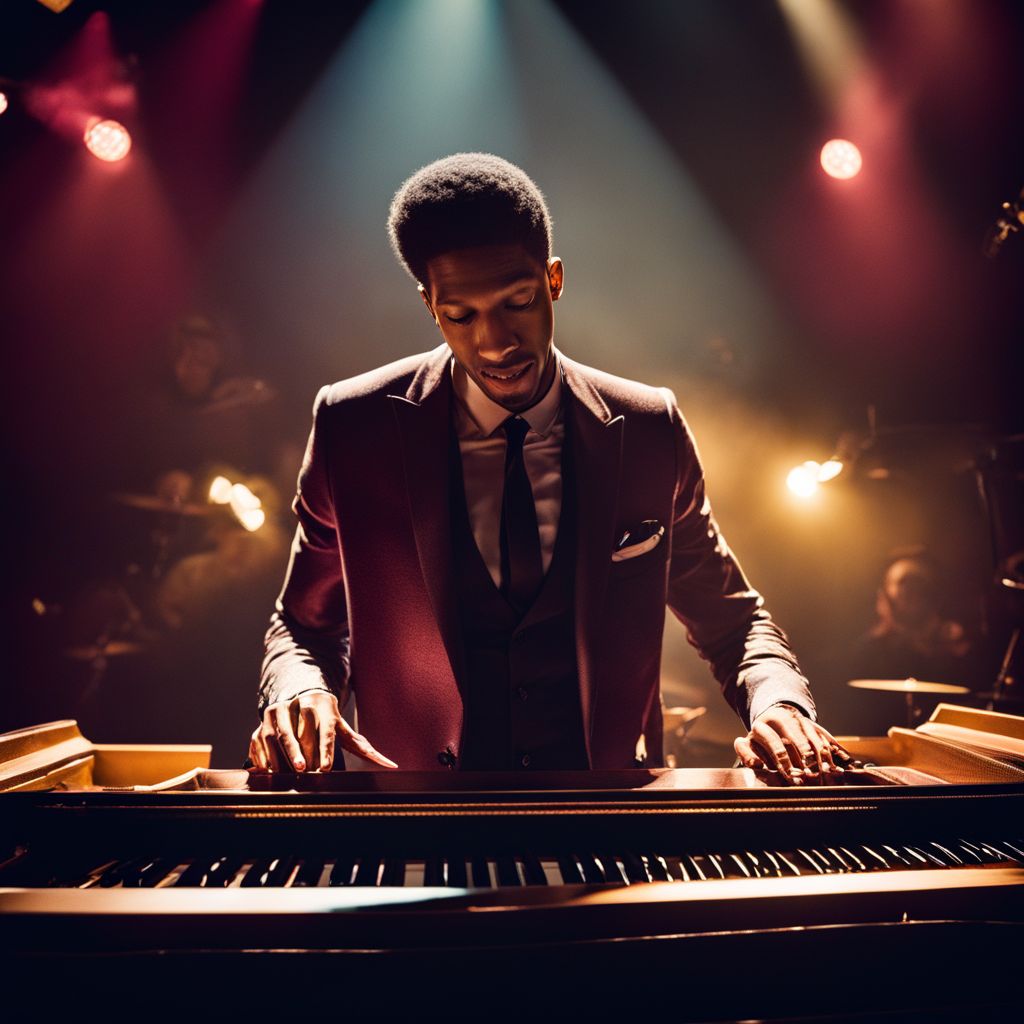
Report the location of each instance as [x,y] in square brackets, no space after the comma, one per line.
[840,158]
[107,140]
[3,102]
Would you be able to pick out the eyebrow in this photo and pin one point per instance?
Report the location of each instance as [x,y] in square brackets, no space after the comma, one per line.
[511,284]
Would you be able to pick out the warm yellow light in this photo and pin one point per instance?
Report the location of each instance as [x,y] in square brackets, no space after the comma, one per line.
[247,507]
[829,470]
[220,490]
[107,140]
[840,158]
[803,480]
[251,518]
[3,102]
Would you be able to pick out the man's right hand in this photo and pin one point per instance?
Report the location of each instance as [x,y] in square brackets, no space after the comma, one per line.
[301,735]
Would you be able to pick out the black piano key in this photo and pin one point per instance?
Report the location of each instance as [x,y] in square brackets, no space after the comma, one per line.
[310,870]
[810,861]
[116,872]
[853,859]
[896,855]
[281,870]
[479,872]
[257,871]
[533,871]
[636,869]
[393,873]
[593,871]
[771,863]
[946,852]
[507,871]
[875,859]
[828,866]
[368,871]
[677,870]
[735,862]
[572,873]
[972,852]
[710,866]
[341,873]
[154,873]
[757,869]
[789,864]
[194,874]
[1016,848]
[457,876]
[993,853]
[221,873]
[613,870]
[658,868]
[434,872]
[930,860]
[838,859]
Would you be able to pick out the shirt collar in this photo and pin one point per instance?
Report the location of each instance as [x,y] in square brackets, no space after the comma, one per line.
[489,416]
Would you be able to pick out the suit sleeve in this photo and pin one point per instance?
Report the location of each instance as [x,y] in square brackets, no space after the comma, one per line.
[725,617]
[307,644]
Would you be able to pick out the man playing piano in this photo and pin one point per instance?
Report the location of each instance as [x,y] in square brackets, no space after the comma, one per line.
[488,534]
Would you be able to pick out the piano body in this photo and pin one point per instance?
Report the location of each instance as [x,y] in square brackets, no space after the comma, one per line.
[707,894]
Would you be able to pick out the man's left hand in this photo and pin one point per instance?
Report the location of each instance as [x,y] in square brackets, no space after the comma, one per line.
[784,739]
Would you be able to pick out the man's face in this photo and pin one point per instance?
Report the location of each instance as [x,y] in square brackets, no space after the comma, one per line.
[493,305]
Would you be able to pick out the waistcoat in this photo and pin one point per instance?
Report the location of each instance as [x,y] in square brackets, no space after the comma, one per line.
[522,691]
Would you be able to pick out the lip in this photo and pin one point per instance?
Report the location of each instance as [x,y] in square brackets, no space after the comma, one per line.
[509,374]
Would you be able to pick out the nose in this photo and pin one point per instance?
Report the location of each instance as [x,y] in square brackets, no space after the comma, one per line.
[495,338]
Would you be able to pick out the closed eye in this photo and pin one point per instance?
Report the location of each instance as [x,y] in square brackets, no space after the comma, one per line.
[464,319]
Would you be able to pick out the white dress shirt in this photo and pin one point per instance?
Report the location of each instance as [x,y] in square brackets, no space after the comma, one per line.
[482,446]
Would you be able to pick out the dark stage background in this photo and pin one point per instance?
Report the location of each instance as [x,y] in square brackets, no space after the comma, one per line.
[169,318]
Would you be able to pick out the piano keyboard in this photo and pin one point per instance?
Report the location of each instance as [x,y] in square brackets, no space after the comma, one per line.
[620,869]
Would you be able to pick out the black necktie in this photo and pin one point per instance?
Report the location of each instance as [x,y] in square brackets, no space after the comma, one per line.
[521,567]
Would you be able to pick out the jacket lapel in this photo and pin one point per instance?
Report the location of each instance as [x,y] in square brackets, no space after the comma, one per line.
[596,440]
[424,426]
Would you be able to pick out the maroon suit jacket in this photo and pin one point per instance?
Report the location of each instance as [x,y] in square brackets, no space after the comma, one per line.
[368,600]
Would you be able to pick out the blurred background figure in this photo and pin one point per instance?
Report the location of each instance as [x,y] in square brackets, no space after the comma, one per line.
[911,636]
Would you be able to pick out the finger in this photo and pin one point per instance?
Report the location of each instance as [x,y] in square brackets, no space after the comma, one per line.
[274,757]
[258,753]
[766,738]
[306,734]
[327,731]
[284,734]
[745,752]
[814,750]
[361,745]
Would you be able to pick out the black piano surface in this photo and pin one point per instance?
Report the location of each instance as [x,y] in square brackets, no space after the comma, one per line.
[704,894]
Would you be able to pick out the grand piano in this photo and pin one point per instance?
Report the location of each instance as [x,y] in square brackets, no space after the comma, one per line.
[139,877]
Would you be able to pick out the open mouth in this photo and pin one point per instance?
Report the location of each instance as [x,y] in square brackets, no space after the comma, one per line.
[507,375]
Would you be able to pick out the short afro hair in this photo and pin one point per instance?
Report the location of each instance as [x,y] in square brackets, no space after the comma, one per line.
[466,200]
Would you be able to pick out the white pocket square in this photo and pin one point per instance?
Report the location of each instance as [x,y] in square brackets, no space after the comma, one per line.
[635,550]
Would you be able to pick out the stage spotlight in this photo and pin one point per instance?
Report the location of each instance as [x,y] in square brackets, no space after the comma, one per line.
[220,490]
[840,158]
[3,102]
[803,480]
[247,507]
[107,140]
[829,470]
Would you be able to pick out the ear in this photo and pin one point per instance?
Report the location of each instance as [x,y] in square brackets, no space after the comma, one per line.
[556,277]
[426,302]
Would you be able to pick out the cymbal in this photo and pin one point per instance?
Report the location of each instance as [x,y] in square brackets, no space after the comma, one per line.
[113,649]
[152,503]
[910,685]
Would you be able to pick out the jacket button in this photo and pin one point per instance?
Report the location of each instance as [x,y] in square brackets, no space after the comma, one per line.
[447,758]
[525,760]
[523,693]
